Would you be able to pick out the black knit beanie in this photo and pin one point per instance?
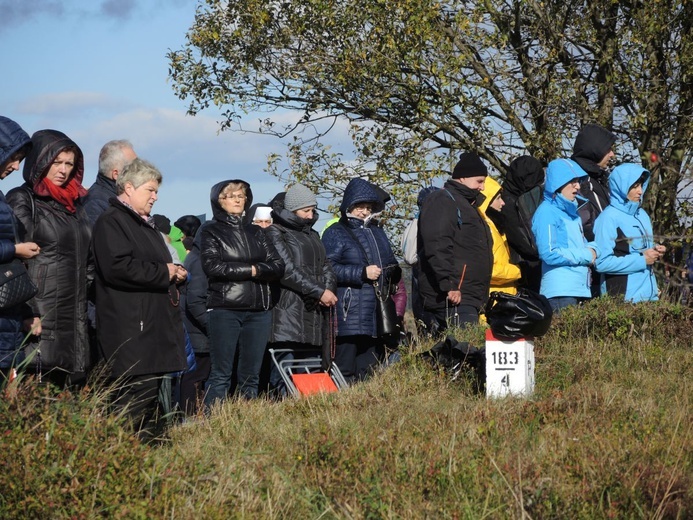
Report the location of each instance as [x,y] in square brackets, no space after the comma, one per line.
[469,165]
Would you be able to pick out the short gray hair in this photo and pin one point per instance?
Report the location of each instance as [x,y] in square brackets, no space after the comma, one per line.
[111,156]
[137,173]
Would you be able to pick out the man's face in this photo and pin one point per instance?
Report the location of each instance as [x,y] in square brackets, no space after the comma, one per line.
[606,159]
[473,183]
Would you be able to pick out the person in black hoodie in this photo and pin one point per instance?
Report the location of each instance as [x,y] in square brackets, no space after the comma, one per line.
[523,192]
[593,151]
[48,210]
[240,262]
[455,249]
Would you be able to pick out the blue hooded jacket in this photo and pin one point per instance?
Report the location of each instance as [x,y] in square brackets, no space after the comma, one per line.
[357,301]
[12,139]
[623,231]
[565,253]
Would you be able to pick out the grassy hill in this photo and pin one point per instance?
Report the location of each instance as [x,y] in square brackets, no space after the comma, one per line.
[607,434]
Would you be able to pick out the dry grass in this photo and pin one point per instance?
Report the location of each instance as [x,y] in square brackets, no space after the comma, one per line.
[607,434]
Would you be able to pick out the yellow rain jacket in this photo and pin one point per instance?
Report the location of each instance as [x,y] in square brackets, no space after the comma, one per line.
[505,274]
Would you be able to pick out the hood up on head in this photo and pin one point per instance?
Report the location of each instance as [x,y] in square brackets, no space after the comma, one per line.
[490,191]
[217,210]
[358,191]
[12,139]
[623,177]
[524,174]
[559,173]
[47,145]
[593,142]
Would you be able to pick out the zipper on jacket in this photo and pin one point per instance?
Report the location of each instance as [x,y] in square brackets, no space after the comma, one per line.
[141,325]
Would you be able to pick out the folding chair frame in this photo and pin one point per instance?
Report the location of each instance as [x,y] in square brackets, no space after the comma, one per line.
[304,365]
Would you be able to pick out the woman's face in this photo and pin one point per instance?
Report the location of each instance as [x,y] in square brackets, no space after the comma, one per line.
[233,203]
[61,169]
[305,213]
[362,210]
[142,199]
[635,193]
[570,190]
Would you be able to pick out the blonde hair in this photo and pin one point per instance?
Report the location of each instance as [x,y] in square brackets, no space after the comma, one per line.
[232,187]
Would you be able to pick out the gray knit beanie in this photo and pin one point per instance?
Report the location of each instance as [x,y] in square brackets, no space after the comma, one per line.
[299,197]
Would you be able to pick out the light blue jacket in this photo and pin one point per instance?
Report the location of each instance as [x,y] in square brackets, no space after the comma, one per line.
[565,253]
[623,231]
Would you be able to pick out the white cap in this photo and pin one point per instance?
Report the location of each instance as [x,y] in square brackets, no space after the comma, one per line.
[263,213]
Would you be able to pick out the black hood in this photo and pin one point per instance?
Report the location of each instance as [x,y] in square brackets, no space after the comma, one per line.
[592,143]
[524,174]
[217,210]
[47,145]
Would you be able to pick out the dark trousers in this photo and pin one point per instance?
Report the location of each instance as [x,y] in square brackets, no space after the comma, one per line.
[192,384]
[358,356]
[137,397]
[438,320]
[247,331]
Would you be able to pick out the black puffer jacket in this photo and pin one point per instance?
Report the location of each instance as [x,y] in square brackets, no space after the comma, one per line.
[229,249]
[298,317]
[592,143]
[62,269]
[455,247]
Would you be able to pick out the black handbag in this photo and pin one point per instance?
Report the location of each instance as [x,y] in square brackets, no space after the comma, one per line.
[524,314]
[15,285]
[386,314]
[386,321]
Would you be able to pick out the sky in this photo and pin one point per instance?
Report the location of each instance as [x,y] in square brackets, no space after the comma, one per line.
[97,70]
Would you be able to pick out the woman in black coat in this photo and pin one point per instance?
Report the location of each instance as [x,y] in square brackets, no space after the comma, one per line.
[138,321]
[300,320]
[14,145]
[48,210]
[239,262]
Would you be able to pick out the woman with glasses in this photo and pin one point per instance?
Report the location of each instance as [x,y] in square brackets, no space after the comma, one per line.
[565,254]
[240,262]
[624,234]
[364,263]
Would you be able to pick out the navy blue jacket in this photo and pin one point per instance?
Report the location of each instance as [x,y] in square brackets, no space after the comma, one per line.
[356,294]
[12,139]
[96,201]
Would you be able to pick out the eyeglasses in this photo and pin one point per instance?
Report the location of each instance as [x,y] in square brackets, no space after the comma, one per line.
[576,180]
[232,197]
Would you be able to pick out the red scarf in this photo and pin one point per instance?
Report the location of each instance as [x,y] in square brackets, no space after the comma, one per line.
[66,194]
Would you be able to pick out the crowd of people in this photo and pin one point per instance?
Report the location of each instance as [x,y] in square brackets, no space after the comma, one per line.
[187,311]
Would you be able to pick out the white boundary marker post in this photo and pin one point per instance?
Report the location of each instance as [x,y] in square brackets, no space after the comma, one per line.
[509,366]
